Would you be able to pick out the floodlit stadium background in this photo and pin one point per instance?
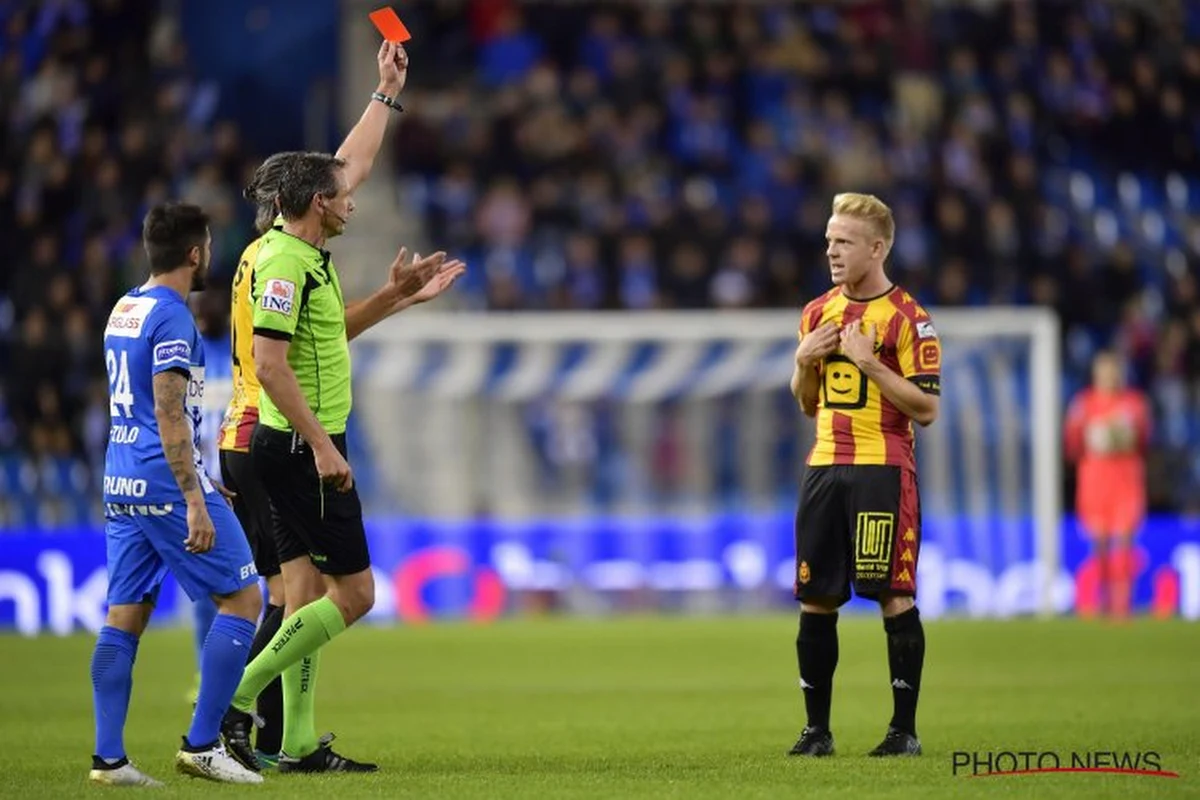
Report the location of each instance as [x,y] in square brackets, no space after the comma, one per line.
[597,417]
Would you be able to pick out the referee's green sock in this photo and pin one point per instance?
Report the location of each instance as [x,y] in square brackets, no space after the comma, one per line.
[299,707]
[300,635]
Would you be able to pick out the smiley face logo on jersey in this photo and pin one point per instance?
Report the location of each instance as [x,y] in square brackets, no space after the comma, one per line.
[845,387]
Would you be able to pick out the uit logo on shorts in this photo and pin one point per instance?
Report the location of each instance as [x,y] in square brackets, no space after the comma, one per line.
[803,575]
[873,537]
[845,385]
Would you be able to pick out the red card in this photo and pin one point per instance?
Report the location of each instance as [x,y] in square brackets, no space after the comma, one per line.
[389,25]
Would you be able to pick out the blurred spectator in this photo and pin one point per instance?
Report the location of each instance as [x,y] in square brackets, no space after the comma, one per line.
[101,119]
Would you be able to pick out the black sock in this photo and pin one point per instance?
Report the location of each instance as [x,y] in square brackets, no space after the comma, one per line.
[269,738]
[817,654]
[906,657]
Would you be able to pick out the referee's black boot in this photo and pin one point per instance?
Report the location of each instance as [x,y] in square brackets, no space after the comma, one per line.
[813,742]
[897,743]
[235,733]
[323,759]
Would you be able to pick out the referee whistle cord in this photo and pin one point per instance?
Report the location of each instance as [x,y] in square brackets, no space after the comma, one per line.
[321,491]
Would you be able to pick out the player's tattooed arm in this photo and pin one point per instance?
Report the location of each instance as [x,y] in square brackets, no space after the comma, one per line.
[170,389]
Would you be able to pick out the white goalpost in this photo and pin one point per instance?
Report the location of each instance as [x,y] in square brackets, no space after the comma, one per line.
[559,415]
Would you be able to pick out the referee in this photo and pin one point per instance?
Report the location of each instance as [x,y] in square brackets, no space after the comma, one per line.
[294,581]
[302,360]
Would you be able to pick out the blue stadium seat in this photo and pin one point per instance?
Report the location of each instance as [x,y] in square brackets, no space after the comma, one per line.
[19,476]
[1152,229]
[50,478]
[1106,228]
[1082,190]
[1176,189]
[1129,190]
[10,482]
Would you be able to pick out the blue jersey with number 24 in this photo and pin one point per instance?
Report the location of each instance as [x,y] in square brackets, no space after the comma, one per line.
[150,330]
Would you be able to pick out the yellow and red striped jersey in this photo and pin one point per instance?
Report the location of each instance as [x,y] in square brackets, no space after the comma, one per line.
[856,424]
[242,413]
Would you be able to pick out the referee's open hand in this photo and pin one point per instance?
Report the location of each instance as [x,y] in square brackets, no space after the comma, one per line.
[413,280]
[333,468]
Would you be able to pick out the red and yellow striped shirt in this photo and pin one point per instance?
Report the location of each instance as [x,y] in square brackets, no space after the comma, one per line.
[856,424]
[242,413]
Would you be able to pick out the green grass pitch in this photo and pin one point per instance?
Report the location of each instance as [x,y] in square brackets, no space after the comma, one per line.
[650,707]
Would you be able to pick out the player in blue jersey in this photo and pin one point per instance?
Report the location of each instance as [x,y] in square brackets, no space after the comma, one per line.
[163,512]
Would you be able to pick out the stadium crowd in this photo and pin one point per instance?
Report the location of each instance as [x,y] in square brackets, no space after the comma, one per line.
[655,155]
[641,155]
[101,118]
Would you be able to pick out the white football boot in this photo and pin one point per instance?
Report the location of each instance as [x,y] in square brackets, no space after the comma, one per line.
[214,764]
[125,775]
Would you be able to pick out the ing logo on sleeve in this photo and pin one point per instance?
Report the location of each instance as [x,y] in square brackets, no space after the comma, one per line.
[278,296]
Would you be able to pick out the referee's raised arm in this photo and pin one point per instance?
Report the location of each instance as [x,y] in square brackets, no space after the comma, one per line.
[366,137]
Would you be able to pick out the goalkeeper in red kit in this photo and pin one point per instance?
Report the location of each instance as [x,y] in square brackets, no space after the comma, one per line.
[1107,430]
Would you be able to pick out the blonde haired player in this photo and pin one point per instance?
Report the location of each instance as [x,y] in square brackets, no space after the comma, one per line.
[867,366]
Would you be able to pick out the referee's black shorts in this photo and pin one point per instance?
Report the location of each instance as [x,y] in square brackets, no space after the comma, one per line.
[309,518]
[253,509]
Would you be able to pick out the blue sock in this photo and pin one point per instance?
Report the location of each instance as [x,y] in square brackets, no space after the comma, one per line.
[221,667]
[112,683]
[204,611]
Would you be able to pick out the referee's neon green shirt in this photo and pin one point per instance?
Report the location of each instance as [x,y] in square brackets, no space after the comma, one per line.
[297,296]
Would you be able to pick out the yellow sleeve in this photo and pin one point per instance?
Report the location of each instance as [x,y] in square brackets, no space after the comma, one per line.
[919,351]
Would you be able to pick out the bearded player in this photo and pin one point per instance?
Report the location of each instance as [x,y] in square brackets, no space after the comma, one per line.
[867,367]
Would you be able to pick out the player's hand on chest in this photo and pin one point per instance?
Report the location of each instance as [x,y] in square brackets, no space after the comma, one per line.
[863,336]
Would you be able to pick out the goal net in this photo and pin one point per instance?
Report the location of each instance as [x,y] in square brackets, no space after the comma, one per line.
[562,419]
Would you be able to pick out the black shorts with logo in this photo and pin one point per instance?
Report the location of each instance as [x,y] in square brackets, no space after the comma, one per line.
[310,518]
[253,509]
[857,526]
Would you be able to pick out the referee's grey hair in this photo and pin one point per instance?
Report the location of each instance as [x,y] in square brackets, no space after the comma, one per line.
[305,175]
[264,186]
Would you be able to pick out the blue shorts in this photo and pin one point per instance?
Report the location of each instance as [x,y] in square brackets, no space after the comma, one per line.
[145,542]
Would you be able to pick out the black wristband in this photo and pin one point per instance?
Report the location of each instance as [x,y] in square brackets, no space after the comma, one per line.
[390,102]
